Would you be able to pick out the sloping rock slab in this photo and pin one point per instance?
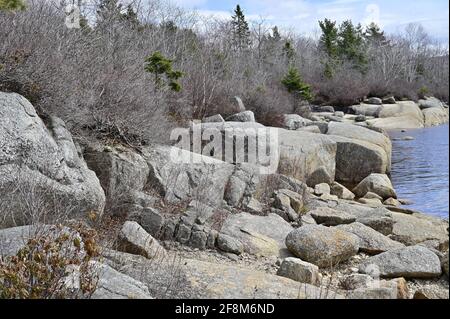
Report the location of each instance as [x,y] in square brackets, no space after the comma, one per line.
[407,262]
[371,241]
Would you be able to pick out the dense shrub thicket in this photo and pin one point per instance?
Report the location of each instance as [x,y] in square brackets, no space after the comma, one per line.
[97,74]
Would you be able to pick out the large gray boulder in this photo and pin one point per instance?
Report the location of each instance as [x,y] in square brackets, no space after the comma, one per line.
[366,109]
[435,116]
[122,173]
[374,101]
[229,244]
[294,121]
[213,119]
[307,157]
[112,284]
[417,228]
[370,241]
[246,116]
[41,160]
[209,280]
[379,219]
[356,159]
[134,239]
[331,217]
[260,235]
[430,102]
[341,191]
[322,246]
[379,184]
[363,134]
[298,270]
[402,115]
[199,177]
[407,262]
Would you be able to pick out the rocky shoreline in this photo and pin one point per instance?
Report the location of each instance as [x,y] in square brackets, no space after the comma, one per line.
[328,221]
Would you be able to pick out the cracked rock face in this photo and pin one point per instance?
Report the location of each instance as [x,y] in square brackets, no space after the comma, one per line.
[41,161]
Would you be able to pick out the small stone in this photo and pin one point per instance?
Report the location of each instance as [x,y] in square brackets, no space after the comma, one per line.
[322,189]
[246,116]
[360,118]
[152,221]
[229,244]
[372,202]
[341,191]
[184,233]
[392,202]
[298,270]
[329,197]
[371,195]
[134,239]
[330,217]
[214,119]
[356,281]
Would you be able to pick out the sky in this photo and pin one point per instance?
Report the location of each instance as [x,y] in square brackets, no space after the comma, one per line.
[302,15]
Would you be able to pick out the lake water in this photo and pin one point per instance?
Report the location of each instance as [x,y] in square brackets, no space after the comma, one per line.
[420,169]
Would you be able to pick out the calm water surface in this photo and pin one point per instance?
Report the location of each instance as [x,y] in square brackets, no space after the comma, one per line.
[420,169]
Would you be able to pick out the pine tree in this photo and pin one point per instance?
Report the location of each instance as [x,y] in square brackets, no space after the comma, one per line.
[160,66]
[275,36]
[241,30]
[295,85]
[351,46]
[329,44]
[11,5]
[288,52]
[329,38]
[374,36]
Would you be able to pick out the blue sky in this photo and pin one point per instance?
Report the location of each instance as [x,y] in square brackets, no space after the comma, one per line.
[302,15]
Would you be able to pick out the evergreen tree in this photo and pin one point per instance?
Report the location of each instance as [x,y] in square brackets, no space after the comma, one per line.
[329,44]
[241,30]
[295,85]
[329,38]
[161,66]
[275,36]
[288,52]
[351,45]
[374,36]
[11,5]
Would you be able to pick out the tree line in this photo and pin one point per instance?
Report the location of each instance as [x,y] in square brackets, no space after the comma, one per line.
[146,66]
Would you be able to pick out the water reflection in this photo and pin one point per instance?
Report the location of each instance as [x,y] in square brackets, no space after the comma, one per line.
[420,169]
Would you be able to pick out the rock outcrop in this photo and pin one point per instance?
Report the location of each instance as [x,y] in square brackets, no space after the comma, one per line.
[194,177]
[41,159]
[307,157]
